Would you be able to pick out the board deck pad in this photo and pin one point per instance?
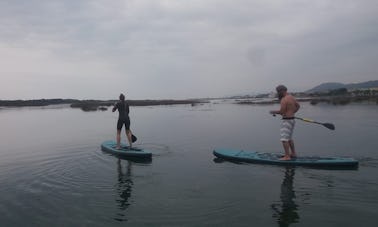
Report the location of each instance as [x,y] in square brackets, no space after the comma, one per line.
[110,147]
[274,159]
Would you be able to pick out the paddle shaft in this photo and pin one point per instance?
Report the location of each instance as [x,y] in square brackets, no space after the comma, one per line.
[308,120]
[327,125]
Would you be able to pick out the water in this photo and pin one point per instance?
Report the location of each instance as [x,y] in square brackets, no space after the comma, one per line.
[53,172]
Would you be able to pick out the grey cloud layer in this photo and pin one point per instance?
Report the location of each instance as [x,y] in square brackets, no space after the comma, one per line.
[184,48]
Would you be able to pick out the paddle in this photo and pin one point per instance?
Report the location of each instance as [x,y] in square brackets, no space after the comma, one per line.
[133,138]
[327,125]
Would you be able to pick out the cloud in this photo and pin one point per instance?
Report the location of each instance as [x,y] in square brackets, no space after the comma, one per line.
[178,49]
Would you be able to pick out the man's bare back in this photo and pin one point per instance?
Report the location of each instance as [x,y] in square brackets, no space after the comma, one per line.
[289,106]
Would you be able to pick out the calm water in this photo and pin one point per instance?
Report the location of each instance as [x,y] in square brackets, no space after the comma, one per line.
[53,172]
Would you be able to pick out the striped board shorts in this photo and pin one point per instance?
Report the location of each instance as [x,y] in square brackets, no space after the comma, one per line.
[287,129]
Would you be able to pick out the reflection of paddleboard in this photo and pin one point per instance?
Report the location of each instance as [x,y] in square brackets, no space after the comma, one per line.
[110,147]
[271,158]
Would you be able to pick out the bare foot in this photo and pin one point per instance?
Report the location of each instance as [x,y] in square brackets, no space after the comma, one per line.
[285,158]
[293,156]
[118,148]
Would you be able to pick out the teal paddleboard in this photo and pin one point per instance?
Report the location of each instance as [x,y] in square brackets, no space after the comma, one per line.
[273,159]
[125,151]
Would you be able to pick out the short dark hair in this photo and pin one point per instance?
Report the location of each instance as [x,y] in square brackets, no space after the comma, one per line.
[281,88]
[122,97]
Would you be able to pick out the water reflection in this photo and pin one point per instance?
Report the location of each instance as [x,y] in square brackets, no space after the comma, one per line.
[124,188]
[286,212]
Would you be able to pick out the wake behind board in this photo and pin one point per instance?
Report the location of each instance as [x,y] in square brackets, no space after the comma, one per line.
[125,151]
[273,159]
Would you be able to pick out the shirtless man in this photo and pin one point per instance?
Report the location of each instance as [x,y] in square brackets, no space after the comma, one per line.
[289,106]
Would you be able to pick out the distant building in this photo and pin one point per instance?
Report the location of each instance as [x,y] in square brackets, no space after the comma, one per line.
[364,91]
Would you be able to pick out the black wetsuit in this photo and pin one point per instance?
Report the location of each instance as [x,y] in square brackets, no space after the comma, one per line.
[123,118]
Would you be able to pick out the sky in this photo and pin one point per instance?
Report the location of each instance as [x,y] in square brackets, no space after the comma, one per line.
[177,49]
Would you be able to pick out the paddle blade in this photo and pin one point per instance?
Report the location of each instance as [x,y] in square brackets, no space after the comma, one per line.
[133,138]
[329,126]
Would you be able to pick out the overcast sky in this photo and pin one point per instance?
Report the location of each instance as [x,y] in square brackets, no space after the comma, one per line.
[95,49]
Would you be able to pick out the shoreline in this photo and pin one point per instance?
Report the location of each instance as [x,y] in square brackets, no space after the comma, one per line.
[94,105]
[332,100]
[102,105]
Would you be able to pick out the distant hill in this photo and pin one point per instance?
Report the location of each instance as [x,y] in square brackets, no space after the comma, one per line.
[325,87]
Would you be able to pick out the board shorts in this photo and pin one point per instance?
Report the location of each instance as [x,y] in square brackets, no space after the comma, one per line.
[287,129]
[124,121]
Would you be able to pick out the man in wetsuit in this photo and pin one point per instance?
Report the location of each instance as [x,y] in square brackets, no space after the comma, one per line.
[289,106]
[123,119]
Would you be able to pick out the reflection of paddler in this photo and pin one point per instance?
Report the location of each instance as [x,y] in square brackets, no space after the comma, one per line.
[288,212]
[124,188]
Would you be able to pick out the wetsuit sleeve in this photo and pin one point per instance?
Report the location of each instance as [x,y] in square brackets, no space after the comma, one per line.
[127,109]
[115,107]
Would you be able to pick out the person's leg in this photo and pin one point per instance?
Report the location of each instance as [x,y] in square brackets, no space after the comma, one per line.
[286,147]
[118,139]
[285,137]
[293,154]
[128,132]
[128,135]
[119,128]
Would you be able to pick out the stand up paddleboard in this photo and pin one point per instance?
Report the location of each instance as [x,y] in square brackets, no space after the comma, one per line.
[125,151]
[273,159]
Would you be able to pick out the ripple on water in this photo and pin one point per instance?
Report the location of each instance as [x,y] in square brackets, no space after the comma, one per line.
[155,148]
[368,162]
[55,180]
[197,211]
[340,187]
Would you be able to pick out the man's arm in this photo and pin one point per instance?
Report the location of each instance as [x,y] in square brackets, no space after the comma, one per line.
[297,106]
[282,109]
[115,107]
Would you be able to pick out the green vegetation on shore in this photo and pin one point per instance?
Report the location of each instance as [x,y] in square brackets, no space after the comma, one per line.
[93,105]
[334,100]
[36,102]
[340,96]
